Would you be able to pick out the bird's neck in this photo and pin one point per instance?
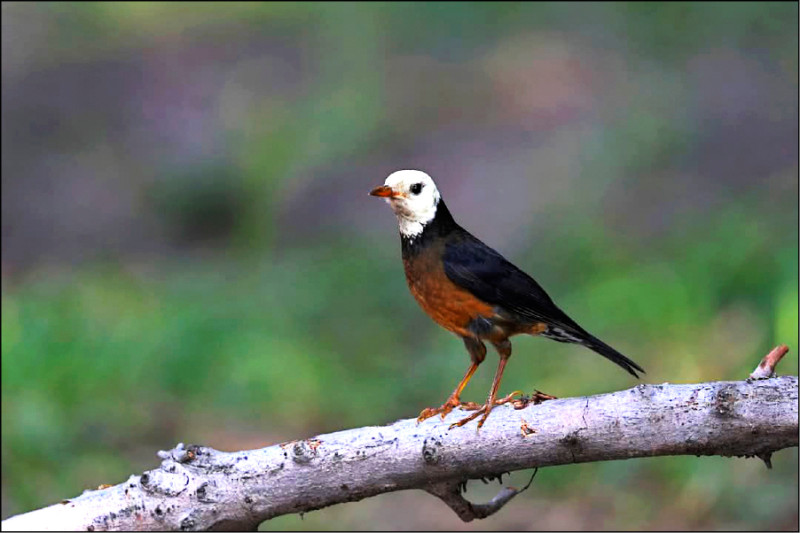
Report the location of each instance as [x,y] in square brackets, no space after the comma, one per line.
[439,226]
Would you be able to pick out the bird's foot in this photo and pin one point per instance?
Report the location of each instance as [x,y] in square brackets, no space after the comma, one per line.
[449,405]
[483,410]
[472,406]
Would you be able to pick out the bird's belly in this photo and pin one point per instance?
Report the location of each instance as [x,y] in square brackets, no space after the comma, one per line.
[453,310]
[450,306]
[458,310]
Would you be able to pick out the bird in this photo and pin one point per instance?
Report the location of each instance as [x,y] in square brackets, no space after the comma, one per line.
[473,291]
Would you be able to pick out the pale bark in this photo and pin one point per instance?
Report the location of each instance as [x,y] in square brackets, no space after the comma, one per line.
[197,487]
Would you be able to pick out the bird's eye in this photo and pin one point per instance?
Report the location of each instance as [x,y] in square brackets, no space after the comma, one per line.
[416,188]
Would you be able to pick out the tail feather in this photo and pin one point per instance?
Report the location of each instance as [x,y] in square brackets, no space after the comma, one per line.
[594,344]
[598,346]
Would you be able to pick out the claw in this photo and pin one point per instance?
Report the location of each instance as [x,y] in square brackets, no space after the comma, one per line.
[509,398]
[484,410]
[444,410]
[471,417]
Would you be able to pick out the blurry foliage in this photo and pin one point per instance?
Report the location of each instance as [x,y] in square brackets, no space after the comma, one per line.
[254,294]
[200,203]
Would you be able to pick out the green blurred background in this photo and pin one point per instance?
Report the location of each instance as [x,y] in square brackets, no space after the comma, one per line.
[189,252]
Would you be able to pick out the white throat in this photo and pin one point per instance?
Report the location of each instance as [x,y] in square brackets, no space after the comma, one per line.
[414,201]
[412,227]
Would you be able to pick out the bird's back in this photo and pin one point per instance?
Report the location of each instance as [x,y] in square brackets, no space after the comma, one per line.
[485,273]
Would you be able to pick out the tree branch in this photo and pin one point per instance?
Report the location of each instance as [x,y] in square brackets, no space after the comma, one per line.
[766,368]
[450,493]
[197,487]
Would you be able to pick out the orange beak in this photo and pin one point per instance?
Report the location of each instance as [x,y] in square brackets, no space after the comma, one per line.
[384,191]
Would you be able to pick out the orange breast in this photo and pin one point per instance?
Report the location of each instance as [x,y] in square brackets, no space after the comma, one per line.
[449,305]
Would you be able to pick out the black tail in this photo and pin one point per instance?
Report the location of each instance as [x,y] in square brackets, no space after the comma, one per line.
[581,336]
[611,354]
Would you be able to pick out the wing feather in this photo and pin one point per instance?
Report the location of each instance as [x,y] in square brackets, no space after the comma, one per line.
[471,264]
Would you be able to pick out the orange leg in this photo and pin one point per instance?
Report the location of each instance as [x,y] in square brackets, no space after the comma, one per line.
[492,400]
[452,401]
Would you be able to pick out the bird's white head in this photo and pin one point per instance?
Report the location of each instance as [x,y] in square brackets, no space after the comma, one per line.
[413,196]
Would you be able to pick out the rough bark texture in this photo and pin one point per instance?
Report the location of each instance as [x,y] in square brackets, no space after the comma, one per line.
[197,487]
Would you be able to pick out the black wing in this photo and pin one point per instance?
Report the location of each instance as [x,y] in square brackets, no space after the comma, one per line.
[488,275]
[470,264]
